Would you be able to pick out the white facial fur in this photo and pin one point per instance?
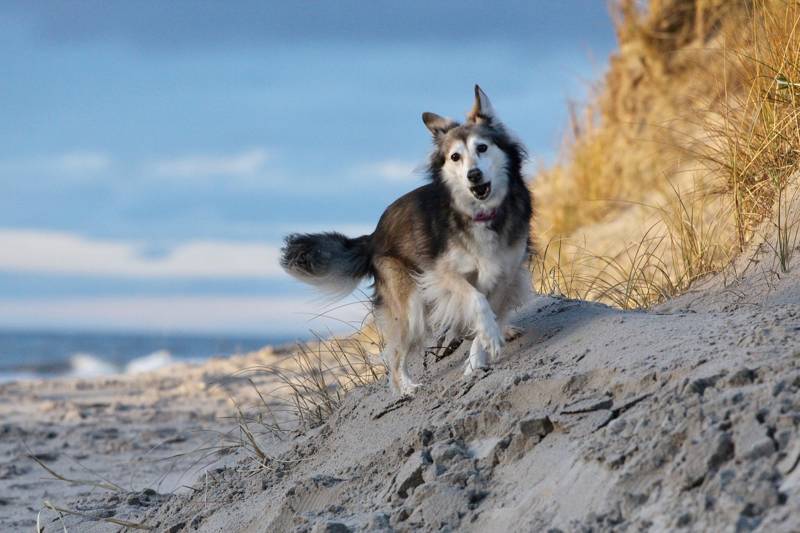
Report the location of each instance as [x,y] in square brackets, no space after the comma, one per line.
[492,164]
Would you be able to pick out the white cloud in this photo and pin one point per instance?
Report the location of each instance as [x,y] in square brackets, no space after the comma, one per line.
[245,164]
[79,162]
[223,314]
[391,170]
[67,253]
[68,164]
[242,164]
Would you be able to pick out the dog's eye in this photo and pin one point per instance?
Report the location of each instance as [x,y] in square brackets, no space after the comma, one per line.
[481,148]
[455,157]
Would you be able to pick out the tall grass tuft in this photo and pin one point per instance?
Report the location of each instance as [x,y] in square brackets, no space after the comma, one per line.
[686,148]
[305,388]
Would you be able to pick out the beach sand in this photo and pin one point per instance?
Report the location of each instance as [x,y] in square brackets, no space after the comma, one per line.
[154,431]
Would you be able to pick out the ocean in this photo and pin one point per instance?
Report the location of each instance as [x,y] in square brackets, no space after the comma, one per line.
[33,355]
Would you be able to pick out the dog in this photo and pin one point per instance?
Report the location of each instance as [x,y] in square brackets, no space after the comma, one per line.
[449,257]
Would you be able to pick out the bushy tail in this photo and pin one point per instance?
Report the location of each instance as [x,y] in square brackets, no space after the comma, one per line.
[329,261]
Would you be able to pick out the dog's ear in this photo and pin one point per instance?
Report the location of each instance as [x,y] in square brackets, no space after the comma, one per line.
[438,124]
[482,110]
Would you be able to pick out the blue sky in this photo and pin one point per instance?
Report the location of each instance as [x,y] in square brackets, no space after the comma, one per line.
[153,154]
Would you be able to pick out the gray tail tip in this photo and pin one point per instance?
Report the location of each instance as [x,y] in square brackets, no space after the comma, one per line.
[294,253]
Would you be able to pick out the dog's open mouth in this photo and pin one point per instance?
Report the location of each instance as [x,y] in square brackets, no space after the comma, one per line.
[482,191]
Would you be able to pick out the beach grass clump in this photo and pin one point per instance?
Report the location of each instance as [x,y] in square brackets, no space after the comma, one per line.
[687,147]
[322,372]
[303,389]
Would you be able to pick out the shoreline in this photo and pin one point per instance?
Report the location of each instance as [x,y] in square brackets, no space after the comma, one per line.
[120,354]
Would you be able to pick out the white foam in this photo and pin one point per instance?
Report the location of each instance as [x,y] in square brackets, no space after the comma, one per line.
[153,361]
[86,365]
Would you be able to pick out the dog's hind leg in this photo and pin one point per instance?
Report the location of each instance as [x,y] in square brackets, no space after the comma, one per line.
[405,385]
[395,357]
[392,333]
[400,316]
[389,353]
[413,339]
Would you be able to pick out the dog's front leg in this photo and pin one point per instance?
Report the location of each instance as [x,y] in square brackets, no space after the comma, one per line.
[488,334]
[456,303]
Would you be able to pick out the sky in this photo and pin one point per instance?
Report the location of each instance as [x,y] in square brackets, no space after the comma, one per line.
[154,154]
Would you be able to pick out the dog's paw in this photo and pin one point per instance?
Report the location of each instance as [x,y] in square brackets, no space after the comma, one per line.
[478,358]
[511,333]
[470,367]
[492,341]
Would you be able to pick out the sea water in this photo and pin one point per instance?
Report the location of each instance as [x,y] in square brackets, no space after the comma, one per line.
[41,354]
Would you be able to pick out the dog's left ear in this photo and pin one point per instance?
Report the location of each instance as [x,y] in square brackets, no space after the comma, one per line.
[436,124]
[482,110]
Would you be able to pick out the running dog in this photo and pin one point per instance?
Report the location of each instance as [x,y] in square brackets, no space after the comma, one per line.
[450,256]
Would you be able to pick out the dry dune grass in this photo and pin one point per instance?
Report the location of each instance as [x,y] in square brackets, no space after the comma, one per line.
[319,374]
[684,150]
[305,388]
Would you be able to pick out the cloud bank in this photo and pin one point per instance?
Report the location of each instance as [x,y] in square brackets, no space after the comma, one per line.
[243,164]
[190,314]
[33,251]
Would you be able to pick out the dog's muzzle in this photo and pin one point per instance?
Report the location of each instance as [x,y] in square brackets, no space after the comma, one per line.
[482,191]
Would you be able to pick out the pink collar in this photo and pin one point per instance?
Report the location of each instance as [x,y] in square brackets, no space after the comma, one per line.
[485,216]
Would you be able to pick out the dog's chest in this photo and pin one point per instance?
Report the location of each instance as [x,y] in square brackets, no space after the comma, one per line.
[484,259]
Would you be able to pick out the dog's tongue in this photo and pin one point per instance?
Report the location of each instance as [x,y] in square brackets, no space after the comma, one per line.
[485,216]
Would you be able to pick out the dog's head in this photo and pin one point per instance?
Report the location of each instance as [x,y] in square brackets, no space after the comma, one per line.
[476,159]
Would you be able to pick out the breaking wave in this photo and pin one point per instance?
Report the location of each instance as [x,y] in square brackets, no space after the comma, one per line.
[87,365]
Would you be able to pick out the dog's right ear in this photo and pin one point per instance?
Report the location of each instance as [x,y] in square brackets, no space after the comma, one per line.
[482,110]
[438,125]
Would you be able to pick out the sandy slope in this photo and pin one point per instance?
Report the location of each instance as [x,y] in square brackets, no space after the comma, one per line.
[595,419]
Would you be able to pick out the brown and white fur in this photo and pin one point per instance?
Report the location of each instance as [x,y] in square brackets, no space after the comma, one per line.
[450,256]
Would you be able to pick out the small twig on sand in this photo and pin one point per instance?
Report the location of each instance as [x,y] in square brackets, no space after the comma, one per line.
[103,485]
[117,521]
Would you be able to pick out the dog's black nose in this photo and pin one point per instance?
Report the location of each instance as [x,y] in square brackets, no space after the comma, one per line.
[474,175]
